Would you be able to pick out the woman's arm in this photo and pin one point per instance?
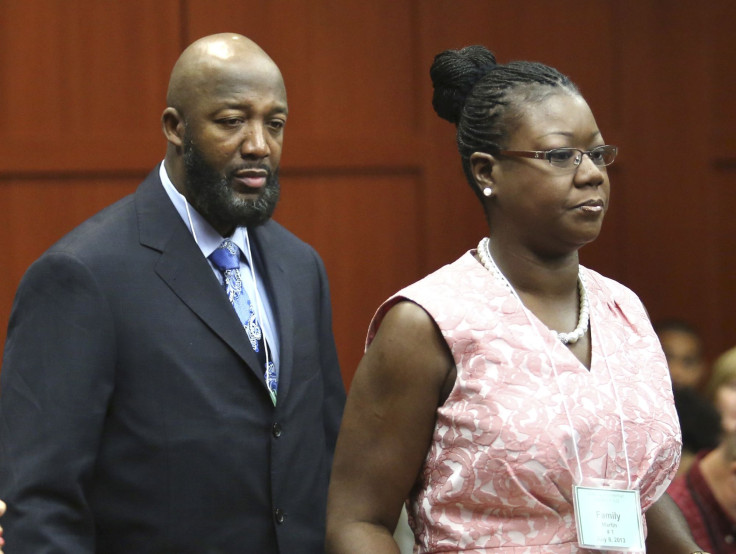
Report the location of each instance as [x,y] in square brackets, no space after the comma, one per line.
[387,428]
[668,532]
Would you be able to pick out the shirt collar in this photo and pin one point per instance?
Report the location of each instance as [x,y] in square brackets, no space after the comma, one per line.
[206,237]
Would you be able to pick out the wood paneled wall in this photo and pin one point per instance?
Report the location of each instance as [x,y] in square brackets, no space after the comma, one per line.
[371,176]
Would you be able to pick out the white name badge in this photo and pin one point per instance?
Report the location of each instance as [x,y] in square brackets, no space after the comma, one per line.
[608,519]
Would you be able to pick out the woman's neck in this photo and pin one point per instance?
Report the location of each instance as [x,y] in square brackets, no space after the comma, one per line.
[535,275]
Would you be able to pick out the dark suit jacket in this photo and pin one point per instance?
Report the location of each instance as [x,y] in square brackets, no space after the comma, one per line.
[134,416]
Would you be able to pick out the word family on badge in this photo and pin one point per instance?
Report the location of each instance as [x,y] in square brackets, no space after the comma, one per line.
[608,518]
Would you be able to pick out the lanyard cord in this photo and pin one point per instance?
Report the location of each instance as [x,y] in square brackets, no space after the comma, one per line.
[562,395]
[559,388]
[191,225]
[620,411]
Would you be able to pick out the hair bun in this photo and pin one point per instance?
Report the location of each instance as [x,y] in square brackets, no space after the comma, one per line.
[454,73]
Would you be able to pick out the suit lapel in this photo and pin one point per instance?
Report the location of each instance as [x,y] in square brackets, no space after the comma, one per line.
[186,271]
[281,299]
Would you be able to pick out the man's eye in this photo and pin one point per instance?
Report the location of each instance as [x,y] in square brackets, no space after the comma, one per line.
[231,121]
[277,124]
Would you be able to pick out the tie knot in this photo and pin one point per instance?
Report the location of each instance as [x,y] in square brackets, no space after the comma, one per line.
[226,256]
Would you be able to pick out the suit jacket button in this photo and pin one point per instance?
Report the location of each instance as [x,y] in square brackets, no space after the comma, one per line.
[279,515]
[276,430]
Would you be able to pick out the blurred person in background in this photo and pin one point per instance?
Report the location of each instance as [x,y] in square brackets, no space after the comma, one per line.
[683,348]
[706,495]
[720,389]
[700,423]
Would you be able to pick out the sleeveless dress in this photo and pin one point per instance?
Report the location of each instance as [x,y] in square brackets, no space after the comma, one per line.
[498,476]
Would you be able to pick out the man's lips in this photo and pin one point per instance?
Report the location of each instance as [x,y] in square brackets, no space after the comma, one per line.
[250,179]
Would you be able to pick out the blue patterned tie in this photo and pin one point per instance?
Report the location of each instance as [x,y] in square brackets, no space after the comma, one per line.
[227,259]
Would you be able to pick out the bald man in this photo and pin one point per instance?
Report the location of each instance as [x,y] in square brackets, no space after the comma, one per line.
[153,398]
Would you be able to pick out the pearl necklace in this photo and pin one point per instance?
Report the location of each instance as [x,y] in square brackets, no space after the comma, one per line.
[484,253]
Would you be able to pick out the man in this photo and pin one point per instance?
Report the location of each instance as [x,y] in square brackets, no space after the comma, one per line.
[706,494]
[699,422]
[136,412]
[700,425]
[683,349]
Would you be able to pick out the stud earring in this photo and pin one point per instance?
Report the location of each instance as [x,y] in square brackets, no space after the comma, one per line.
[488,191]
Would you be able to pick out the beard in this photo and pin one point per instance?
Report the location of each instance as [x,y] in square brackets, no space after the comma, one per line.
[210,193]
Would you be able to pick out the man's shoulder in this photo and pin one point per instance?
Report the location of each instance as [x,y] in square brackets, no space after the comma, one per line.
[99,229]
[107,230]
[275,235]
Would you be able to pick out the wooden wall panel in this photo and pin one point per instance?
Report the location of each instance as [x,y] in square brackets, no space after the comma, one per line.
[722,77]
[721,213]
[349,71]
[367,234]
[668,242]
[371,175]
[82,83]
[720,322]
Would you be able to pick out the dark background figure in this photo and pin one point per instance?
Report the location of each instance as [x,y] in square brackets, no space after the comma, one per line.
[700,424]
[720,389]
[683,347]
[135,414]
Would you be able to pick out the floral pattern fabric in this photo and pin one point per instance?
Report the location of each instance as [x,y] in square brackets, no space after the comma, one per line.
[498,476]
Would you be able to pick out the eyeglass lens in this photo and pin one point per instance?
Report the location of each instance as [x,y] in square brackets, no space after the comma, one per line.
[569,157]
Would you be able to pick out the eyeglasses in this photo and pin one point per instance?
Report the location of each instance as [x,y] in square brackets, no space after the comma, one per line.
[568,157]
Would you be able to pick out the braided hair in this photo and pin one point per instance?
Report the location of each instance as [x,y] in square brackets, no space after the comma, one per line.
[485,99]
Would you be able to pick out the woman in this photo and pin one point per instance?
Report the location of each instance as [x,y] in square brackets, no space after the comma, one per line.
[707,497]
[721,389]
[466,399]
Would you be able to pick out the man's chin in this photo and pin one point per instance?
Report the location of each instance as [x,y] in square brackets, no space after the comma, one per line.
[247,214]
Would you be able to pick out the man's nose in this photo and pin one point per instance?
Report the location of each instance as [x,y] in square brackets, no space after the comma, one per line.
[254,142]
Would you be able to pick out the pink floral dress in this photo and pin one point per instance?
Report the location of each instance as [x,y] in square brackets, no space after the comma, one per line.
[498,476]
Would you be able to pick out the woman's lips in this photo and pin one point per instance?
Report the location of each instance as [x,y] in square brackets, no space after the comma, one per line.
[591,206]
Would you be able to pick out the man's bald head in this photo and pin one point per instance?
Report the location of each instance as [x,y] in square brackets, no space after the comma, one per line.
[207,61]
[224,125]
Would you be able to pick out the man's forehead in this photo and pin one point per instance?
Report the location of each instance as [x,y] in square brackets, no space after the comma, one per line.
[245,80]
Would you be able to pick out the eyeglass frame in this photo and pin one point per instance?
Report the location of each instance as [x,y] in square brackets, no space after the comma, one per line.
[545,155]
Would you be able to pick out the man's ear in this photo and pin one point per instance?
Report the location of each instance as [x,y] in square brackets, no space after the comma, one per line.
[481,166]
[172,124]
